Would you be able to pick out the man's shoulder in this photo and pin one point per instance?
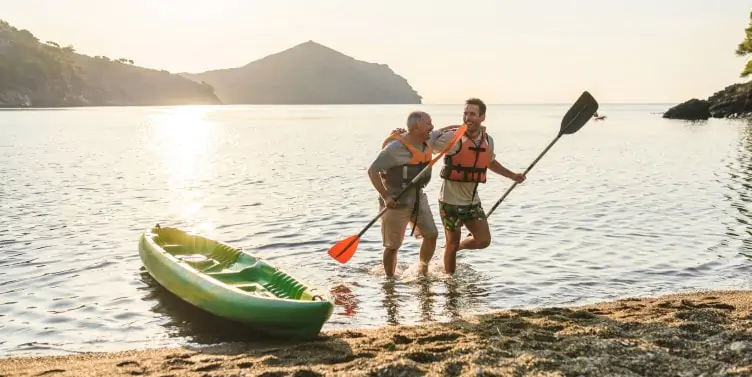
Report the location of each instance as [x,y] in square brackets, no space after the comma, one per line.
[489,138]
[394,145]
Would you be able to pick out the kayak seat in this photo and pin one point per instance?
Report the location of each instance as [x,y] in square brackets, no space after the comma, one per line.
[246,275]
[227,277]
[198,261]
[249,287]
[174,249]
[279,284]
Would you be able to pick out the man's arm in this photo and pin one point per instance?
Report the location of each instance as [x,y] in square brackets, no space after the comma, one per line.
[401,130]
[373,174]
[442,129]
[438,139]
[498,168]
[383,162]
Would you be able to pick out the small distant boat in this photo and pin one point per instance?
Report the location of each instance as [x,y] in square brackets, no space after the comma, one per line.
[231,283]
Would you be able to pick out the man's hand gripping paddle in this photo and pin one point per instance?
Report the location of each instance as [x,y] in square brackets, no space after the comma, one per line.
[343,250]
[579,114]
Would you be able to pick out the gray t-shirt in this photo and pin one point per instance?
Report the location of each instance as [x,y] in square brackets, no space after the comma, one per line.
[396,154]
[452,192]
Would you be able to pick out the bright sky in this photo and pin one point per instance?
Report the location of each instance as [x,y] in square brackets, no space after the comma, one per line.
[523,51]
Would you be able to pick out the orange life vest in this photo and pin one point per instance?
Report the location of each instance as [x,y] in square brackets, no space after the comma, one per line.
[400,177]
[470,163]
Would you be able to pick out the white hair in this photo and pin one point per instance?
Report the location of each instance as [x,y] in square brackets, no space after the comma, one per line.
[414,118]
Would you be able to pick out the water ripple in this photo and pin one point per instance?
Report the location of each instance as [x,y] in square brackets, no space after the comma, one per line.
[637,205]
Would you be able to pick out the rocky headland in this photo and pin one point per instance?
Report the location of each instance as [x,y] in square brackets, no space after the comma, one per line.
[734,101]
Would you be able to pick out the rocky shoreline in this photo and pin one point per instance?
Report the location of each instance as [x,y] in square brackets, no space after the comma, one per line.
[734,101]
[697,334]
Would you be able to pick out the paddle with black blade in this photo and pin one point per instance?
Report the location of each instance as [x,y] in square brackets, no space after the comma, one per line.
[579,114]
[343,250]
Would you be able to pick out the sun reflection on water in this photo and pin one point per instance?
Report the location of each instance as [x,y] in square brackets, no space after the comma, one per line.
[185,140]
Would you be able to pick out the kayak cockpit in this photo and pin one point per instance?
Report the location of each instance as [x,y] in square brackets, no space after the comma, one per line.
[230,266]
[232,283]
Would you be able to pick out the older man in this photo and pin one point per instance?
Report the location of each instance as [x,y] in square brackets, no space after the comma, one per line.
[402,158]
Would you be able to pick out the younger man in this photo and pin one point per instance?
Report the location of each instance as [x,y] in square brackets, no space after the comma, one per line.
[465,167]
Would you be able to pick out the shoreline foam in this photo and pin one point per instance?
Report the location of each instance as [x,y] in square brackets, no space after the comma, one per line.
[690,334]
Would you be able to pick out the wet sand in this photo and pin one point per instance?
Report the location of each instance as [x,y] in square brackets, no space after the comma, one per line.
[698,334]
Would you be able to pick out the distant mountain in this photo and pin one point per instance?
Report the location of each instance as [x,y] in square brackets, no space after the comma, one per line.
[309,73]
[35,74]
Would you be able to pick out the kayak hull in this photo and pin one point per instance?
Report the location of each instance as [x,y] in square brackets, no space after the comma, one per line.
[231,283]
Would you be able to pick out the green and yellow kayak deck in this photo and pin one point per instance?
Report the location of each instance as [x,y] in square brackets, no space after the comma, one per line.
[230,283]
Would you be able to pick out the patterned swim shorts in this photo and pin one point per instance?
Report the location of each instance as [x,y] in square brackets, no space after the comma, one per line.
[453,216]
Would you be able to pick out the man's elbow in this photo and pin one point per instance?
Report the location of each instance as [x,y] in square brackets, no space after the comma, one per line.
[373,173]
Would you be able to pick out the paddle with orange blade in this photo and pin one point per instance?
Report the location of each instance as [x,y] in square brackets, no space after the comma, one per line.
[343,250]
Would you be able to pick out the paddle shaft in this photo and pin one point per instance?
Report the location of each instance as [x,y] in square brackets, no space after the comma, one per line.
[458,134]
[414,180]
[561,133]
[396,198]
[383,210]
[525,173]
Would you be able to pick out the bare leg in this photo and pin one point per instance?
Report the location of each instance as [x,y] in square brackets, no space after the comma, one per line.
[451,248]
[427,248]
[390,261]
[479,237]
[426,226]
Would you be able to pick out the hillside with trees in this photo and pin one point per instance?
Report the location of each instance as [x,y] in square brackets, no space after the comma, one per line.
[733,101]
[44,74]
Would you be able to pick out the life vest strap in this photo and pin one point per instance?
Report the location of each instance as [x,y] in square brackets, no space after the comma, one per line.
[470,169]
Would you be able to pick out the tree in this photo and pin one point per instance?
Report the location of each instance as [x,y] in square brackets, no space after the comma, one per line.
[745,48]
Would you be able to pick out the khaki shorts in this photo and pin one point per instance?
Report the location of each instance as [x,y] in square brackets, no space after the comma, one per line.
[395,221]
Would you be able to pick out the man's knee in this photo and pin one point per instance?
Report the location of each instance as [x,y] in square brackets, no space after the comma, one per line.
[390,250]
[429,241]
[453,238]
[483,242]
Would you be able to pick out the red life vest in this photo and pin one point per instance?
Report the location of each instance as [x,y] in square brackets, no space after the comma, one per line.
[470,163]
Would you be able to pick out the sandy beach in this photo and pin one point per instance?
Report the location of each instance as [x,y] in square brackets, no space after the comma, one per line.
[698,334]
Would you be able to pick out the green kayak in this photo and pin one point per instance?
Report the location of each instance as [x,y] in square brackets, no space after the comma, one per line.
[230,283]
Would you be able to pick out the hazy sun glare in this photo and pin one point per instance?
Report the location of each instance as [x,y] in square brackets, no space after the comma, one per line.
[183,137]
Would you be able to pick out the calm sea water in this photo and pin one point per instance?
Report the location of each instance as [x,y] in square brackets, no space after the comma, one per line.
[634,205]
